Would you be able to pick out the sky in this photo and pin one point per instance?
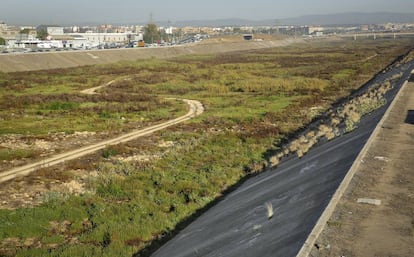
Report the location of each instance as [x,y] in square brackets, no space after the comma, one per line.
[65,12]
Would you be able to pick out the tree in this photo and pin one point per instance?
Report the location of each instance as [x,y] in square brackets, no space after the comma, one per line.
[151,33]
[237,30]
[25,31]
[42,34]
[2,41]
[164,36]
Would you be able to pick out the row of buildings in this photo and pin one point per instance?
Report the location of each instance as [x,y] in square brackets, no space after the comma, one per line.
[104,35]
[99,36]
[60,37]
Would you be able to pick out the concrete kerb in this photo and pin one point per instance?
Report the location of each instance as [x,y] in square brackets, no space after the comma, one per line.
[326,215]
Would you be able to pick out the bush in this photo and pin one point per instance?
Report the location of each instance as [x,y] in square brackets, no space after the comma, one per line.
[62,106]
[16,154]
[108,152]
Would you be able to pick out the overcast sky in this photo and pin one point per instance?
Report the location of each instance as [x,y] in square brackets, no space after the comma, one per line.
[119,11]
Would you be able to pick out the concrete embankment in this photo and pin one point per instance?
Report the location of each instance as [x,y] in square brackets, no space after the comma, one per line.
[67,59]
[359,166]
[299,190]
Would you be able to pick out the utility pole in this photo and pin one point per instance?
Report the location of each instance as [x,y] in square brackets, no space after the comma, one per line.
[152,22]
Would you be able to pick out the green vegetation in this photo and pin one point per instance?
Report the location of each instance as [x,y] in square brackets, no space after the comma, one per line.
[152,33]
[25,31]
[253,100]
[13,154]
[42,34]
[108,152]
[45,104]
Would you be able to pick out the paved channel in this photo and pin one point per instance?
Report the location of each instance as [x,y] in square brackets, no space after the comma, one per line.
[298,189]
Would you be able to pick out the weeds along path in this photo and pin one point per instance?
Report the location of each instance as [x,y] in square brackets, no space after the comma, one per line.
[195,109]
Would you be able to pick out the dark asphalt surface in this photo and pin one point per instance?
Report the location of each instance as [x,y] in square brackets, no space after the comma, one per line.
[299,190]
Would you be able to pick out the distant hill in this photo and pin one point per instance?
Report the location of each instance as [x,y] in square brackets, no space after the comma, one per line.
[329,19]
[223,23]
[351,18]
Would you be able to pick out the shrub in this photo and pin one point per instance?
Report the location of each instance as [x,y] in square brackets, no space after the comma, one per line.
[54,106]
[108,152]
[16,154]
[111,187]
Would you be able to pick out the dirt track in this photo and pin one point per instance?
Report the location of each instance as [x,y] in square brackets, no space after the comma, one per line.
[54,60]
[195,109]
[385,174]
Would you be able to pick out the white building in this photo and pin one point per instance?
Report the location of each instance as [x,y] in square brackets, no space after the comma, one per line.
[102,38]
[169,30]
[55,31]
[314,29]
[45,44]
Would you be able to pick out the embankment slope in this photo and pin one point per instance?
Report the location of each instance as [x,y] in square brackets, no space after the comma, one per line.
[67,59]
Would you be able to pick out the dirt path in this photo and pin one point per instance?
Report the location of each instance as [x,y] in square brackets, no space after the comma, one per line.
[195,109]
[92,91]
[386,174]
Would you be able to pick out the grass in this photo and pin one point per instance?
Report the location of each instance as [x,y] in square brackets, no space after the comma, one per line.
[56,116]
[15,154]
[245,107]
[253,100]
[334,224]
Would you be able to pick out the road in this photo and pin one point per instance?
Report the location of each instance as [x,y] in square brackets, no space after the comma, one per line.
[195,109]
[298,189]
[378,34]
